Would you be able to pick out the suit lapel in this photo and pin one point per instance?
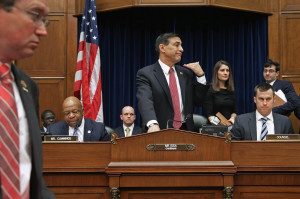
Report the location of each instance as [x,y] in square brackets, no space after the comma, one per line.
[25,94]
[252,126]
[161,78]
[276,84]
[87,132]
[122,132]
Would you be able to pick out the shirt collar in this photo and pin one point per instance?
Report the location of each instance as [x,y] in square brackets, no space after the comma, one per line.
[165,67]
[259,116]
[131,127]
[271,83]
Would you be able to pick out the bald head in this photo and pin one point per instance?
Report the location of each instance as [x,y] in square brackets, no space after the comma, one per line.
[128,116]
[73,111]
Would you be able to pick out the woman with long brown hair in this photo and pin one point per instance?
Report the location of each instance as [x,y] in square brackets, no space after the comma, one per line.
[221,95]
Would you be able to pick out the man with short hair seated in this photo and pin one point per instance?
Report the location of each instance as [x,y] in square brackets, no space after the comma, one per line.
[256,125]
[76,124]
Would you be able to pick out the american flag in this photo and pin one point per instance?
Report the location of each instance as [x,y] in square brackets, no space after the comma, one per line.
[87,86]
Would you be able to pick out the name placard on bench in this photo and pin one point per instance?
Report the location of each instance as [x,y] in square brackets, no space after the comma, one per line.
[60,138]
[283,137]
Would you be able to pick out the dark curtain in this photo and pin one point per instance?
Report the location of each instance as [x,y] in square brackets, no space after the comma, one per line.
[127,39]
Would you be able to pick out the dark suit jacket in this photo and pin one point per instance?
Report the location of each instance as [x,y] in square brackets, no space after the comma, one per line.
[120,131]
[154,97]
[292,98]
[29,94]
[297,111]
[93,131]
[244,127]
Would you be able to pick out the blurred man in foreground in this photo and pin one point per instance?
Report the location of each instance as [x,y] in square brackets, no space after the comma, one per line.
[22,23]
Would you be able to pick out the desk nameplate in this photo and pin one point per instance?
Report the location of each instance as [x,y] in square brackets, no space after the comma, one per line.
[283,137]
[171,147]
[60,138]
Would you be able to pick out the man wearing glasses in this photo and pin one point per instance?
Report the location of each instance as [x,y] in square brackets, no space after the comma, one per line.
[22,23]
[282,88]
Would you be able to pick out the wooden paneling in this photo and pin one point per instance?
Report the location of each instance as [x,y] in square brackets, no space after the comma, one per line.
[49,58]
[267,192]
[172,2]
[251,5]
[51,95]
[289,5]
[57,6]
[290,28]
[72,52]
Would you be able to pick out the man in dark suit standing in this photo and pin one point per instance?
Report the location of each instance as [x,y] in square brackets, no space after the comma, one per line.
[128,128]
[166,92]
[256,125]
[271,72]
[76,124]
[22,23]
[47,117]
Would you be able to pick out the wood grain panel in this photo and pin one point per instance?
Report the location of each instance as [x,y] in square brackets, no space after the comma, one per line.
[290,42]
[104,5]
[57,6]
[251,5]
[172,2]
[273,37]
[81,192]
[174,194]
[267,192]
[51,96]
[49,59]
[289,5]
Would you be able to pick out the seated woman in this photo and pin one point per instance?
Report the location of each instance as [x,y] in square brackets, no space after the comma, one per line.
[221,96]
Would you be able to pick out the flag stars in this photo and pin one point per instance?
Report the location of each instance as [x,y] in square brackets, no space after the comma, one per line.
[90,11]
[83,17]
[91,30]
[87,23]
[93,18]
[94,37]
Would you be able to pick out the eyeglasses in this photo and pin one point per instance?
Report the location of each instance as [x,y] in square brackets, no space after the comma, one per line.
[269,71]
[36,17]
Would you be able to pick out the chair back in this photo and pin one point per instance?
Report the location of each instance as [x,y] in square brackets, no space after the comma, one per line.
[199,121]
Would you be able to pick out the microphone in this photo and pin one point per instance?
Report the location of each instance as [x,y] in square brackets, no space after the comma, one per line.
[187,117]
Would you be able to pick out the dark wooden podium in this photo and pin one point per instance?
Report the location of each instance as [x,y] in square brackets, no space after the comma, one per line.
[173,164]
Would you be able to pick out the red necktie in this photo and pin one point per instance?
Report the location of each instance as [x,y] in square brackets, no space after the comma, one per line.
[175,100]
[9,140]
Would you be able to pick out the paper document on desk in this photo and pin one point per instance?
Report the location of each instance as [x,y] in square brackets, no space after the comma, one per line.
[279,98]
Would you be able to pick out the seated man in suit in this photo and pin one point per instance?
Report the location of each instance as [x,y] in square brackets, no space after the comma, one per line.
[76,124]
[128,128]
[47,117]
[256,125]
[271,72]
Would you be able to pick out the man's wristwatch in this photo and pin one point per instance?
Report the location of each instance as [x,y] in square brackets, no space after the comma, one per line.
[152,125]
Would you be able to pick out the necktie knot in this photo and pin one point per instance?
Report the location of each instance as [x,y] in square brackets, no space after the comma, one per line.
[5,72]
[264,119]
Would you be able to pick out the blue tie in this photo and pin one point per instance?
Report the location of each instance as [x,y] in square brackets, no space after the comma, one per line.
[75,131]
[264,129]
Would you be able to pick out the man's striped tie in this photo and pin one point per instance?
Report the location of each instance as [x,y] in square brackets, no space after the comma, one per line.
[9,137]
[264,129]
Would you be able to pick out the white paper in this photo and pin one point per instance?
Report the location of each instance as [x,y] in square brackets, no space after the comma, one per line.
[280,94]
